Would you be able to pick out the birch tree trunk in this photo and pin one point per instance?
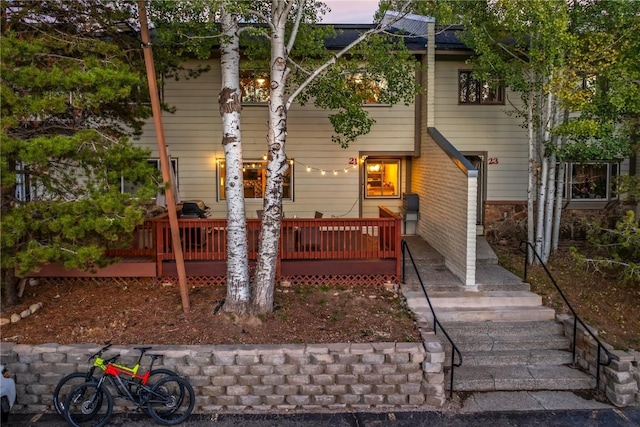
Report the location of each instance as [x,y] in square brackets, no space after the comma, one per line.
[548,211]
[557,214]
[238,284]
[276,166]
[531,181]
[543,189]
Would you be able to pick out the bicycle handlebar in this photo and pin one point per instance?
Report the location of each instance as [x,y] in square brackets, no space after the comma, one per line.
[107,344]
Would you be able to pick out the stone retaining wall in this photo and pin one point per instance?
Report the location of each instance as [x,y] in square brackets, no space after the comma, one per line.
[382,376]
[620,381]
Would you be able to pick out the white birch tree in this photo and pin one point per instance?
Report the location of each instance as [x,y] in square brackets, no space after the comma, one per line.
[285,22]
[238,285]
[543,50]
[282,64]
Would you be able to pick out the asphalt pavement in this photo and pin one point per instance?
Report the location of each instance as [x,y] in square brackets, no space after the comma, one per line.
[610,417]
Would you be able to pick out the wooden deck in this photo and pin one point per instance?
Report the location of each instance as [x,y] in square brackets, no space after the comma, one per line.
[308,247]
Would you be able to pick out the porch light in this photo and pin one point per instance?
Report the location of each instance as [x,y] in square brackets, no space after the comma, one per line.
[335,172]
[323,172]
[308,168]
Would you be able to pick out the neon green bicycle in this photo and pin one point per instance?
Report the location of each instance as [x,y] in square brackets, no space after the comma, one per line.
[69,382]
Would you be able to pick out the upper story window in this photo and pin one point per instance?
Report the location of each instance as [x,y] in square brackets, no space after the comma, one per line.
[254,177]
[128,187]
[382,177]
[592,181]
[472,91]
[370,89]
[255,86]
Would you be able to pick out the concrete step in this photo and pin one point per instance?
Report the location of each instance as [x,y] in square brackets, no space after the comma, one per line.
[531,377]
[475,299]
[542,328]
[512,357]
[474,314]
[486,343]
[519,286]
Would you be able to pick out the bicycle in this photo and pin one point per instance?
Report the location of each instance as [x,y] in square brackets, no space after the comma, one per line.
[70,381]
[168,401]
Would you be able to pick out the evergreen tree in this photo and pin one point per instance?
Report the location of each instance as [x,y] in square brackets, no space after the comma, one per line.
[73,92]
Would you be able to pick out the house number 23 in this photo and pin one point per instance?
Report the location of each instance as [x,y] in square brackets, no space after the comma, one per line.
[493,160]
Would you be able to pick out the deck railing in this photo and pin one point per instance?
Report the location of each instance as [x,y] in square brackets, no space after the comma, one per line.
[205,239]
[300,238]
[142,243]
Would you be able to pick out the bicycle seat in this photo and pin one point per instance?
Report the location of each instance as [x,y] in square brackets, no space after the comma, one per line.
[142,349]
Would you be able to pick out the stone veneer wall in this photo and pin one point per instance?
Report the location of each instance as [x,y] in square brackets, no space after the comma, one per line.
[620,381]
[382,376]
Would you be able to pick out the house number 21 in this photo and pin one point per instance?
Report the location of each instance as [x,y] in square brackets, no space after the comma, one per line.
[493,160]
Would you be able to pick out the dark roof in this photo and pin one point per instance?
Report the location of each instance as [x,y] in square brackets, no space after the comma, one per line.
[447,38]
[347,33]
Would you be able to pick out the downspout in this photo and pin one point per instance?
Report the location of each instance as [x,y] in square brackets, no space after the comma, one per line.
[164,158]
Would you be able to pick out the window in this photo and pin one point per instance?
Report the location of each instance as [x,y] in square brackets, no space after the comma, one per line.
[382,177]
[472,91]
[592,181]
[254,175]
[370,88]
[255,86]
[128,187]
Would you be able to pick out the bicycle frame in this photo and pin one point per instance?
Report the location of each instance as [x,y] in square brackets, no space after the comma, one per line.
[125,385]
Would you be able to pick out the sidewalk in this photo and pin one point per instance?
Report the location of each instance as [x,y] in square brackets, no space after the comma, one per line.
[592,418]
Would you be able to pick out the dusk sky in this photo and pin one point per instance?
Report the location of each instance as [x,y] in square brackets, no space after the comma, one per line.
[350,11]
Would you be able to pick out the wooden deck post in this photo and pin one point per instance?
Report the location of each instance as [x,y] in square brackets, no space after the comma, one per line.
[164,158]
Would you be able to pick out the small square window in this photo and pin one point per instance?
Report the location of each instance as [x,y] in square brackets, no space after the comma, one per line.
[592,181]
[472,91]
[255,86]
[368,87]
[254,177]
[382,177]
[128,187]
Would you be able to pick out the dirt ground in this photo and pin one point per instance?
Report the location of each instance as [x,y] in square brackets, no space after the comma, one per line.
[602,301]
[134,313]
[146,313]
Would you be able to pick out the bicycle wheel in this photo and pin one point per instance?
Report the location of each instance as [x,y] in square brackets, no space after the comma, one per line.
[171,401]
[85,406]
[154,377]
[65,385]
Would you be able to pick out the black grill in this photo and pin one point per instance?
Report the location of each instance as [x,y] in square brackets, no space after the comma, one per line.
[410,202]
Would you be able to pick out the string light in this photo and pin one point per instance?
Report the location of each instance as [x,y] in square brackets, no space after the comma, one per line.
[308,168]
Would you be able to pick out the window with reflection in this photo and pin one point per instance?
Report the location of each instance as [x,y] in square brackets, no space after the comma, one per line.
[370,89]
[382,177]
[592,181]
[255,86]
[254,177]
[128,187]
[472,91]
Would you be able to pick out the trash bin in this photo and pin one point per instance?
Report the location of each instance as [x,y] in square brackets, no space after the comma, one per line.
[410,208]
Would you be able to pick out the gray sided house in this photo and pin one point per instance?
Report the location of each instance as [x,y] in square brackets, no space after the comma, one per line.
[453,163]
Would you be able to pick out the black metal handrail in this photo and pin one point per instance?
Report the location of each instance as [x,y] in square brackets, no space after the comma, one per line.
[436,323]
[576,318]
